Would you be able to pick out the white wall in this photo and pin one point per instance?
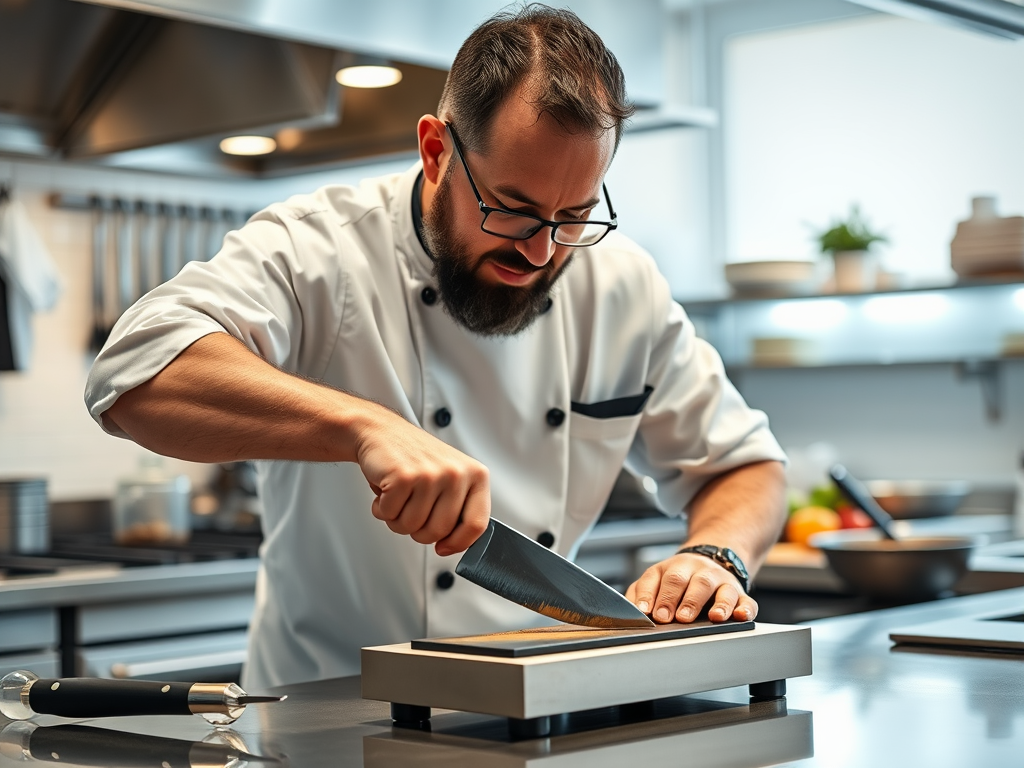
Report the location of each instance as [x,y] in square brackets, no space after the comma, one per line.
[907,118]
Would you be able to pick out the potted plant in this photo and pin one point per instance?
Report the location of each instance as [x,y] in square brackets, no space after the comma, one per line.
[849,241]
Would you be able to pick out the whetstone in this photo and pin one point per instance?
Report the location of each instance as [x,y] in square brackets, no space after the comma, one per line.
[565,638]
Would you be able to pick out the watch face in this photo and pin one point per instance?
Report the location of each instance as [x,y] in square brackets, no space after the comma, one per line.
[736,562]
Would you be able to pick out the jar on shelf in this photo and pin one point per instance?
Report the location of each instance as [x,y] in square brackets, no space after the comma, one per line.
[151,507]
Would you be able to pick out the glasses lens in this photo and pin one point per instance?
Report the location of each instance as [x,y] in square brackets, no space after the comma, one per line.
[580,234]
[510,225]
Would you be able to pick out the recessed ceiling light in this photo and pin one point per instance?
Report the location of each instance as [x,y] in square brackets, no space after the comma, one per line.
[369,76]
[248,145]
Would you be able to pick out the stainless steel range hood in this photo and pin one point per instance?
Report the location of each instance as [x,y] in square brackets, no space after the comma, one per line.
[155,84]
[1004,18]
[83,81]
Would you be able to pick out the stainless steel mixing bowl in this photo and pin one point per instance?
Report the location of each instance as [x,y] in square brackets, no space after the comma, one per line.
[907,499]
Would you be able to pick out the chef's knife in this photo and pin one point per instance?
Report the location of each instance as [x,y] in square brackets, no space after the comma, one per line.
[23,695]
[519,569]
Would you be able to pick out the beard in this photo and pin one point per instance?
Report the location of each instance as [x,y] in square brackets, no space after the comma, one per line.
[484,308]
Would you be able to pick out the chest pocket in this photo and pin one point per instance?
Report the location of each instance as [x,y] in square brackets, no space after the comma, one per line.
[599,438]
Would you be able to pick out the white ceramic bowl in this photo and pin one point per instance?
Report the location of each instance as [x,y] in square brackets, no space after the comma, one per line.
[772,278]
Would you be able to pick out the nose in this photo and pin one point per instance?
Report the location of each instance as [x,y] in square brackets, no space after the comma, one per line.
[538,249]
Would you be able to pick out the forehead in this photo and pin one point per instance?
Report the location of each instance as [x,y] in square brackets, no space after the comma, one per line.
[535,154]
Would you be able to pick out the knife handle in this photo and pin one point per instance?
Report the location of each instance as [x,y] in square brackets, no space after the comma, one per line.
[95,697]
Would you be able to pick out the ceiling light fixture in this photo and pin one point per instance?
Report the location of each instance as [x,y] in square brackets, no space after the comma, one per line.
[360,71]
[248,145]
[369,76]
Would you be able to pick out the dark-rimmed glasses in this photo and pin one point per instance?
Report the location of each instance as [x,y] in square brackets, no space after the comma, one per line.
[514,225]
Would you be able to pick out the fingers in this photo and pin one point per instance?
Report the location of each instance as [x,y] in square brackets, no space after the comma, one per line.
[471,523]
[684,585]
[425,488]
[645,589]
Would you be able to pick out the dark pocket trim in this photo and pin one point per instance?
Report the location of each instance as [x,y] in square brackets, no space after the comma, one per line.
[613,409]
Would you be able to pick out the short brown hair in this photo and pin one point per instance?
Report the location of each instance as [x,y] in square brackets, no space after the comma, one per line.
[579,81]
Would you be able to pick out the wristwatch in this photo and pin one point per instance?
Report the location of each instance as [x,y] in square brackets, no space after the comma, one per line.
[726,558]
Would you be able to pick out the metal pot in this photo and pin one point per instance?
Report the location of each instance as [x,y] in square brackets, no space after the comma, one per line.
[910,499]
[906,570]
[24,516]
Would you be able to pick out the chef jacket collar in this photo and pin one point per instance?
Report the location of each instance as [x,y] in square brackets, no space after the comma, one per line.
[417,212]
[406,222]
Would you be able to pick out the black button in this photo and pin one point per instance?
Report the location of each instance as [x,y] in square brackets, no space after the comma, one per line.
[555,417]
[445,580]
[550,303]
[546,539]
[442,417]
[429,296]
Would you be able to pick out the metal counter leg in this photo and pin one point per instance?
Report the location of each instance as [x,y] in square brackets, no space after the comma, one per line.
[531,728]
[409,715]
[770,689]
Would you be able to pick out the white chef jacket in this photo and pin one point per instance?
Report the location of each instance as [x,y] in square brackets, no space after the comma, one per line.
[336,287]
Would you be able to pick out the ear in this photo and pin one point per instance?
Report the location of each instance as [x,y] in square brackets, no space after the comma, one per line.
[430,132]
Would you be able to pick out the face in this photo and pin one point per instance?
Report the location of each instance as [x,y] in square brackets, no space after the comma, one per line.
[489,284]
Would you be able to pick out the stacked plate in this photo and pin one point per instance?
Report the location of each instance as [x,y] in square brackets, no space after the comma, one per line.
[988,246]
[24,516]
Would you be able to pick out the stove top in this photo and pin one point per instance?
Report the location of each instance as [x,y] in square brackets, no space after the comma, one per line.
[89,553]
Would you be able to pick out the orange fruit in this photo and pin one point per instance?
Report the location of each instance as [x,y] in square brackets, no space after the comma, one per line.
[807,521]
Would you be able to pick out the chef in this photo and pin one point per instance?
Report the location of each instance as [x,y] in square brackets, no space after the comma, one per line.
[472,337]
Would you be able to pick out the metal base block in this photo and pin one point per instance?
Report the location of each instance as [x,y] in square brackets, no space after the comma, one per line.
[557,683]
[770,689]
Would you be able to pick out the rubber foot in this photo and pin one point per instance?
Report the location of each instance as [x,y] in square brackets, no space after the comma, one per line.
[531,728]
[770,689]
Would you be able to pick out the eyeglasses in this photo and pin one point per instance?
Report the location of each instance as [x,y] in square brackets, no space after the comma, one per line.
[514,225]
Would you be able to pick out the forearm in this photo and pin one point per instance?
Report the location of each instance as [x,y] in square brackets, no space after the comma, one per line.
[744,510]
[217,401]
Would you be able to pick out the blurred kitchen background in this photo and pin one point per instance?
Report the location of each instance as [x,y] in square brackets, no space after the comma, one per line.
[761,123]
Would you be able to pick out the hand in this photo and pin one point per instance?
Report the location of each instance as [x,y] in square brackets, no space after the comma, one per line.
[677,589]
[425,488]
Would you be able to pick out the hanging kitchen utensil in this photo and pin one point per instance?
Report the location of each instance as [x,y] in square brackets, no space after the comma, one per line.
[189,234]
[100,331]
[145,248]
[125,270]
[169,241]
[854,490]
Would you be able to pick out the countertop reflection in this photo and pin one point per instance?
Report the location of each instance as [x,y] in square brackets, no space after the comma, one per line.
[868,703]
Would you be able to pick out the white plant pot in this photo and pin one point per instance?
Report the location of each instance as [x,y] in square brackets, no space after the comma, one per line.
[855,271]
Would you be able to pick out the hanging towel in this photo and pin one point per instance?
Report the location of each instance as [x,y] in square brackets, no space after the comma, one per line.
[29,278]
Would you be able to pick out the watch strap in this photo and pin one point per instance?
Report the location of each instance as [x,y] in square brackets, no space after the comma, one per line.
[725,557]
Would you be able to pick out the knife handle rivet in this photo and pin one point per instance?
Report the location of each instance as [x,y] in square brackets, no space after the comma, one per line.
[55,686]
[165,689]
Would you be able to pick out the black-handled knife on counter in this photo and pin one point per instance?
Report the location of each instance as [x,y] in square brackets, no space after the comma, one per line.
[23,695]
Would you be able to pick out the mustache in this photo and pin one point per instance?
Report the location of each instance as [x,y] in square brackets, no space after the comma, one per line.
[513,261]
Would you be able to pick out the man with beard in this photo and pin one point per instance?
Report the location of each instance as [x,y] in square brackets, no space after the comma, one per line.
[465,339]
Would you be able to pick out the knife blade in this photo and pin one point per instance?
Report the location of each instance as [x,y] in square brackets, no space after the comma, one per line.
[519,569]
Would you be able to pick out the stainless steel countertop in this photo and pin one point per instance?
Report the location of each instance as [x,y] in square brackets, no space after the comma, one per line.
[867,704]
[128,584]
